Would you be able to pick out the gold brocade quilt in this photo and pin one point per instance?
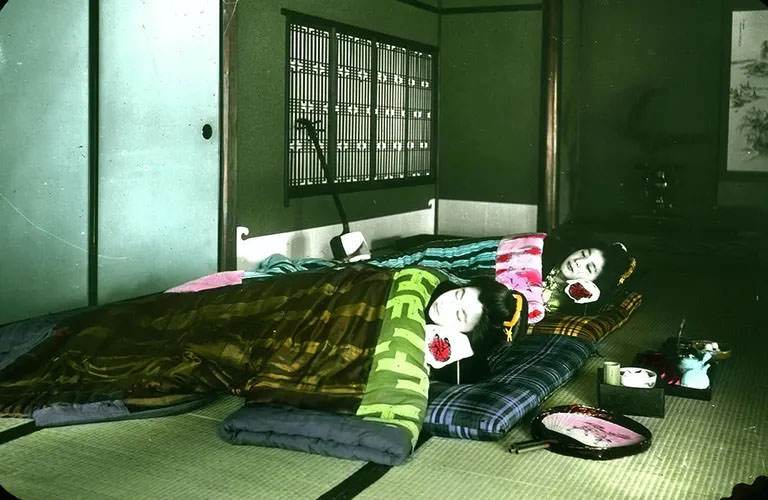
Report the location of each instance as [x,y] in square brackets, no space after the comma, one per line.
[305,339]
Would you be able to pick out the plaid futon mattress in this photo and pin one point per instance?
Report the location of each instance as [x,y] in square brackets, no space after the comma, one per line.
[525,373]
[591,327]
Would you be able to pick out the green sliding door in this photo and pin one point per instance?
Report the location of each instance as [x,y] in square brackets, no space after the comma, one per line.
[43,157]
[158,174]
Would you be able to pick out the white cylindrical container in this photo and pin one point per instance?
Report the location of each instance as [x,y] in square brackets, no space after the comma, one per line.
[611,374]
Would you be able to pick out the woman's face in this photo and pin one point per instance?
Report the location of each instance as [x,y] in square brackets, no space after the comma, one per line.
[459,309]
[586,264]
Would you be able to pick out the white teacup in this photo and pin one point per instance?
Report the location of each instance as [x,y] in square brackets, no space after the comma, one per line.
[637,377]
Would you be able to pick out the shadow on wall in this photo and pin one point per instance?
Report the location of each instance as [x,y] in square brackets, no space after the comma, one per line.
[676,170]
[293,244]
[662,155]
[664,118]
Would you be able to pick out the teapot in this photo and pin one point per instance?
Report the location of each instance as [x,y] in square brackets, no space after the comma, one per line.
[694,371]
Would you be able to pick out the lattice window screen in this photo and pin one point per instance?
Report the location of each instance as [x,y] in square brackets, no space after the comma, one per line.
[372,102]
[353,109]
[419,145]
[309,78]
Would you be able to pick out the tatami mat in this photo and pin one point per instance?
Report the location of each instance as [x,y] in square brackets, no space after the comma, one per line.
[179,457]
[8,423]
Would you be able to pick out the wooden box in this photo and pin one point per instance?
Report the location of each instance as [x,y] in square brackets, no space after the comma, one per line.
[630,400]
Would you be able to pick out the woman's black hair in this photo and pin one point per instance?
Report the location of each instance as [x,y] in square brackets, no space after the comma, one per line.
[499,305]
[617,262]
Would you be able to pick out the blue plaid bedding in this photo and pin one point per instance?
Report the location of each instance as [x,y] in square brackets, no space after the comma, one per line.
[525,373]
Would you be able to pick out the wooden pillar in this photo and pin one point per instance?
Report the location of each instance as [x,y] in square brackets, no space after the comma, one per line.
[552,30]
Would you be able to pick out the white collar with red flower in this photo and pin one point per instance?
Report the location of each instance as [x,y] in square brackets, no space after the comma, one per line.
[445,346]
[582,291]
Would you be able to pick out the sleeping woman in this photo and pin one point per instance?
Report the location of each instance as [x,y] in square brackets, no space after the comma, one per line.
[465,324]
[312,339]
[580,275]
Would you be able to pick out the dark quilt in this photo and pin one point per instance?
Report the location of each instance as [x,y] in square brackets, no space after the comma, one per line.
[305,339]
[304,334]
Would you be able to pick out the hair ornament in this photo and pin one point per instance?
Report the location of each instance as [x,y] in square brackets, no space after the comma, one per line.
[508,325]
[629,271]
[620,245]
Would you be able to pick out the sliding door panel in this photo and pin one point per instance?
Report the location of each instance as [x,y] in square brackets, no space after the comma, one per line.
[158,144]
[43,157]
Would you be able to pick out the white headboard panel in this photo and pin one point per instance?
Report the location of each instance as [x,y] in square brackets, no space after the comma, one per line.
[314,242]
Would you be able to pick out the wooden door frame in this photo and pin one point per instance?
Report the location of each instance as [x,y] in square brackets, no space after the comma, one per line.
[228,136]
[227,250]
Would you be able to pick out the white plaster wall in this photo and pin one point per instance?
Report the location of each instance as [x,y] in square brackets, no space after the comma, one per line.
[480,218]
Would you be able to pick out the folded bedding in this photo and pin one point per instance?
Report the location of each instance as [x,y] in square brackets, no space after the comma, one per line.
[318,432]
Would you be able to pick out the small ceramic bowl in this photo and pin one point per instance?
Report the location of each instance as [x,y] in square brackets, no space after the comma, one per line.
[719,350]
[637,377]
